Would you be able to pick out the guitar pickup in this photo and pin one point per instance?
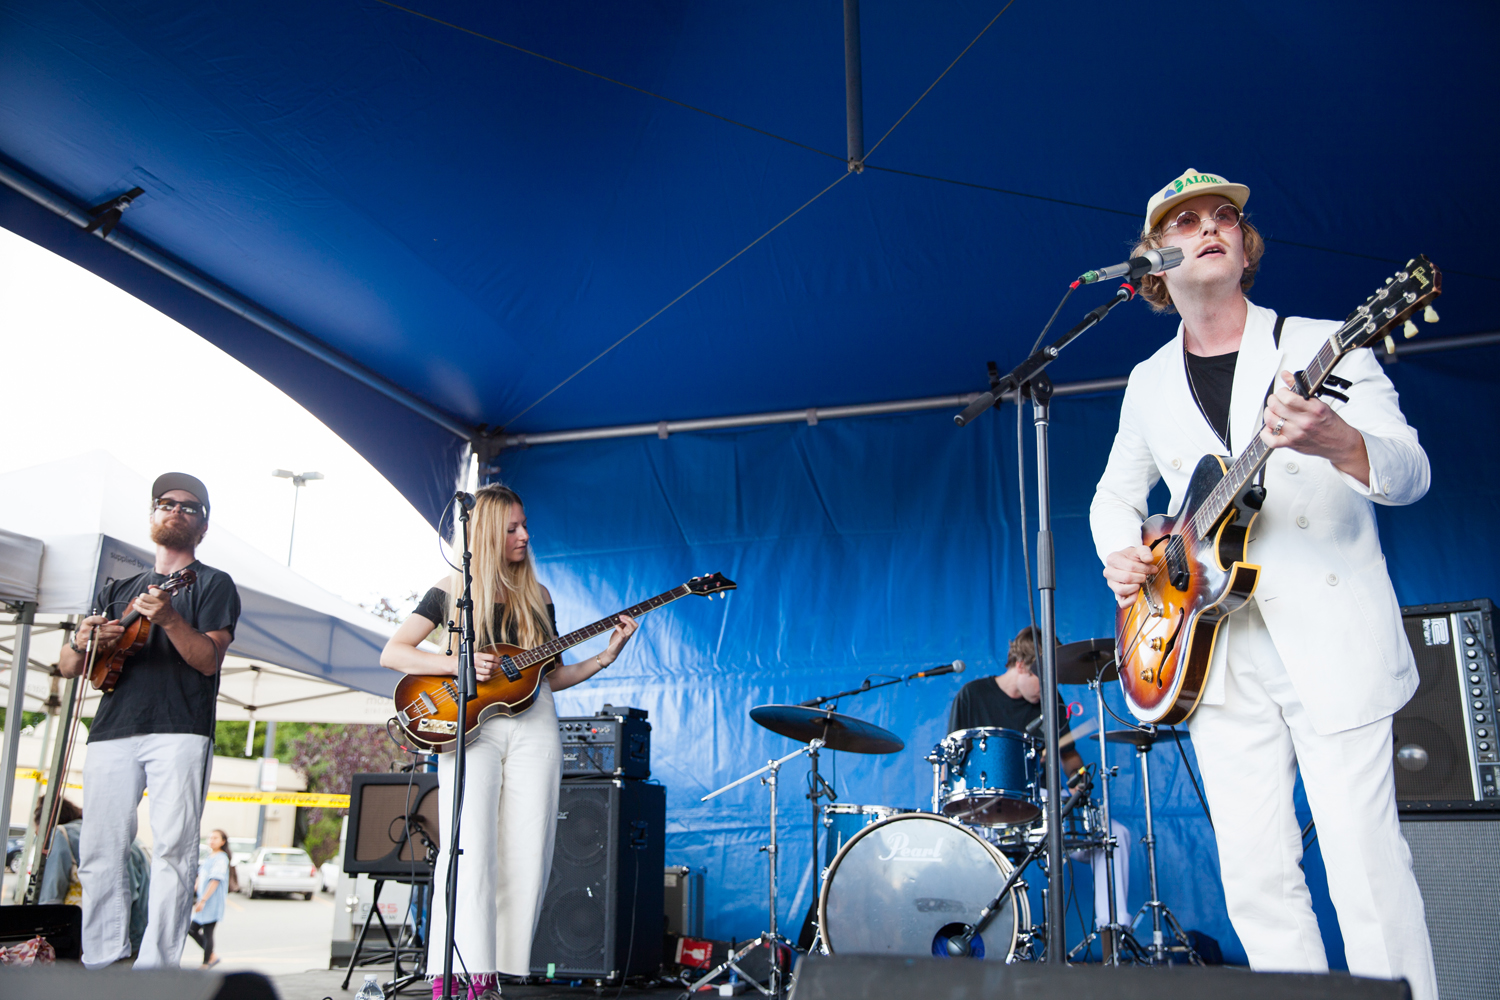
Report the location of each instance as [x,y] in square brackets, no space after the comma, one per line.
[442,727]
[511,671]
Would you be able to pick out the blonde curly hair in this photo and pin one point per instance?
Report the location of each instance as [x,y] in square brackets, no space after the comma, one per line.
[1153,287]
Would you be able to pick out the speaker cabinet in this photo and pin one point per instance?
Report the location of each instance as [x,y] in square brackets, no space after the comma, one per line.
[1457,862]
[602,915]
[1447,750]
[882,977]
[389,815]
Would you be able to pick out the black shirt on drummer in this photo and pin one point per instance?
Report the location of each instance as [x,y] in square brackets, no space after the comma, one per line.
[158,692]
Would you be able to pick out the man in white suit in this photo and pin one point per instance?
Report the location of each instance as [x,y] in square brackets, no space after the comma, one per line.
[1309,673]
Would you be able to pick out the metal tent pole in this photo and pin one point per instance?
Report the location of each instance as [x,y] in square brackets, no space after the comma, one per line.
[25,616]
[854,94]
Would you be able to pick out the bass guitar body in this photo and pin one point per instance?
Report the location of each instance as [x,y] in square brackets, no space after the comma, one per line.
[427,704]
[1164,641]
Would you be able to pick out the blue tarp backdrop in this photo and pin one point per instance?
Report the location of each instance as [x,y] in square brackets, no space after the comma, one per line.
[882,545]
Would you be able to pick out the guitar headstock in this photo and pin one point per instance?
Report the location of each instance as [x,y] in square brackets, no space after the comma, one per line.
[708,586]
[1409,289]
[180,580]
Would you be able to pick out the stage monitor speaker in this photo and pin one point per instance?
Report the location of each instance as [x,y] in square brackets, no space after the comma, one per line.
[882,977]
[1457,861]
[389,815]
[59,923]
[602,915]
[1446,744]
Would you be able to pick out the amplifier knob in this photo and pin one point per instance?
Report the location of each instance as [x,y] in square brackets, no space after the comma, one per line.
[1480,718]
[1481,732]
[1468,640]
[1484,746]
[1473,678]
[1478,704]
[1476,692]
[1472,653]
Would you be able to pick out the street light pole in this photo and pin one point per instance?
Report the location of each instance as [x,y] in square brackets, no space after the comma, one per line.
[298,481]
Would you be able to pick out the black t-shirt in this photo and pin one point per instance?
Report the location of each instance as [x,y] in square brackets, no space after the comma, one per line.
[434,607]
[158,692]
[983,703]
[1212,382]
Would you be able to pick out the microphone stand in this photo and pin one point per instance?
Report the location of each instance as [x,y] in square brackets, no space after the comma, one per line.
[1029,379]
[468,685]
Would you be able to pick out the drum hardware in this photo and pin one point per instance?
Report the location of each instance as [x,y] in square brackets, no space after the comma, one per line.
[960,942]
[770,938]
[1159,951]
[808,721]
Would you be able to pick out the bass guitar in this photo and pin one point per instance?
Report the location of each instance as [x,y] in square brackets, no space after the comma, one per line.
[1164,640]
[105,672]
[427,704]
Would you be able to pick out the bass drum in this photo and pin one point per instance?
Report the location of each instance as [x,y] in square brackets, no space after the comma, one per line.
[904,885]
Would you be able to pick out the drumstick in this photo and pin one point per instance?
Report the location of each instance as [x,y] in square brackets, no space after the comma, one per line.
[1077,734]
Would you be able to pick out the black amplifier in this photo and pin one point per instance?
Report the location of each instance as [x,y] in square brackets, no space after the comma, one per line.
[613,743]
[1446,739]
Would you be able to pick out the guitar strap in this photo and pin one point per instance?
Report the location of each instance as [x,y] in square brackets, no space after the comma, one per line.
[1260,479]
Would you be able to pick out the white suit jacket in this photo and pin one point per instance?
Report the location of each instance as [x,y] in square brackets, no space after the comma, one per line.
[1324,591]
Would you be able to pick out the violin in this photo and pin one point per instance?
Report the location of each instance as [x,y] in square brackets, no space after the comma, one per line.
[106,670]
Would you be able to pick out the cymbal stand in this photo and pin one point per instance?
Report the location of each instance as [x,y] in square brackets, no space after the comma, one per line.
[770,938]
[1120,933]
[1160,914]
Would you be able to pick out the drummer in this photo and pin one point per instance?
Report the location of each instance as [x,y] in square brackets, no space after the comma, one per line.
[1013,700]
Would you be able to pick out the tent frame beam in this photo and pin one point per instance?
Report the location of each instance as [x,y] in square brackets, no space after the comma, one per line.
[814,414]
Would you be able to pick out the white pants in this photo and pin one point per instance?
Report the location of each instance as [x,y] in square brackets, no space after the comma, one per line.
[174,766]
[514,769]
[1095,859]
[1250,749]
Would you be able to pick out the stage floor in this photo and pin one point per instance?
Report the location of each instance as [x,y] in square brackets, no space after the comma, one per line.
[318,984]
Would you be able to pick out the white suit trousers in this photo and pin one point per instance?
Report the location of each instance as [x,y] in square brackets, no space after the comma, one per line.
[174,766]
[1096,859]
[1250,749]
[514,770]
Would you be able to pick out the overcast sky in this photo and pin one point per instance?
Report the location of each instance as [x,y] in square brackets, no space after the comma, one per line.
[88,366]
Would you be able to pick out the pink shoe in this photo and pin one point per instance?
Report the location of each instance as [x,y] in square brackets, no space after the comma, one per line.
[484,987]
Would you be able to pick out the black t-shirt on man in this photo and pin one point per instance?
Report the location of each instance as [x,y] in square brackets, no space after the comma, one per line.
[1211,380]
[158,691]
[983,703]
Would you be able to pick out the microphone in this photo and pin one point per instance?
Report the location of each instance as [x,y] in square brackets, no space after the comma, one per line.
[467,499]
[1150,262]
[956,667]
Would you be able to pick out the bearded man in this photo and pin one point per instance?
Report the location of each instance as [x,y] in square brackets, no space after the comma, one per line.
[153,730]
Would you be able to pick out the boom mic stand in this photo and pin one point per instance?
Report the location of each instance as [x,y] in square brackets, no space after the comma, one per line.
[468,685]
[1029,379]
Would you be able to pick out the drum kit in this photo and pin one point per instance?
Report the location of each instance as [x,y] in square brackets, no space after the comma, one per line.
[946,881]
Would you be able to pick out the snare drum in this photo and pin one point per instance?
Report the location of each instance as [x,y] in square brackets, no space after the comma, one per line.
[992,777]
[842,820]
[903,885]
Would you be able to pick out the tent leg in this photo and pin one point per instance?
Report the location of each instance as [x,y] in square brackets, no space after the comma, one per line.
[25,616]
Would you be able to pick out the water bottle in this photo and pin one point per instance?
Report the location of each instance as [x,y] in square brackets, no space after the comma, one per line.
[370,990]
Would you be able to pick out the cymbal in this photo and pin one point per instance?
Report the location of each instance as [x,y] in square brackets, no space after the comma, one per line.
[1138,738]
[1078,662]
[838,732]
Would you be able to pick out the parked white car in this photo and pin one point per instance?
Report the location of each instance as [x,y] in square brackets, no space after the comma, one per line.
[331,870]
[280,869]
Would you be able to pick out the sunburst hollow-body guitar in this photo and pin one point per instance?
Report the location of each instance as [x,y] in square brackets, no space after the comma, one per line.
[1164,640]
[427,704]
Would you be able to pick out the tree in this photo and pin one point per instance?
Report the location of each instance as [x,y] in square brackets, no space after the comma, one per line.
[330,756]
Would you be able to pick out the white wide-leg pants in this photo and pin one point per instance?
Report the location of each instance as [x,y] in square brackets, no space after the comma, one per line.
[174,766]
[514,770]
[1096,860]
[1250,749]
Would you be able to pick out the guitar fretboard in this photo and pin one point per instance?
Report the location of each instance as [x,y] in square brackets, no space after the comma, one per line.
[1244,468]
[562,643]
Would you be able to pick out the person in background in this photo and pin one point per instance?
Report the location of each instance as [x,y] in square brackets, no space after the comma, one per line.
[213,885]
[60,882]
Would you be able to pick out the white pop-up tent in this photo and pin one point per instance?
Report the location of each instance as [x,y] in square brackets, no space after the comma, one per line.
[299,652]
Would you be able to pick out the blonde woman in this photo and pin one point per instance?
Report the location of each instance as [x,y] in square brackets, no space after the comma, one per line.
[514,765]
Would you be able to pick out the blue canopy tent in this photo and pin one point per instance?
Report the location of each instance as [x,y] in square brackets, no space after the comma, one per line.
[459,226]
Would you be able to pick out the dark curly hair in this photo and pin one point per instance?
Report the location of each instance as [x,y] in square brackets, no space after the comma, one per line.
[1154,288]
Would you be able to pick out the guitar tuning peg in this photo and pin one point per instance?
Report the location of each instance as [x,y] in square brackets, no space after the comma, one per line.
[1410,329]
[1429,315]
[1390,346]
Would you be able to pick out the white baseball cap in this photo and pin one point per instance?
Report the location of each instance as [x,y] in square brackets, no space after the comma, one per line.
[1190,184]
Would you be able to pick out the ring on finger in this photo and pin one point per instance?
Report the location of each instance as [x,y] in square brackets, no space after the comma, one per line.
[1279,425]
